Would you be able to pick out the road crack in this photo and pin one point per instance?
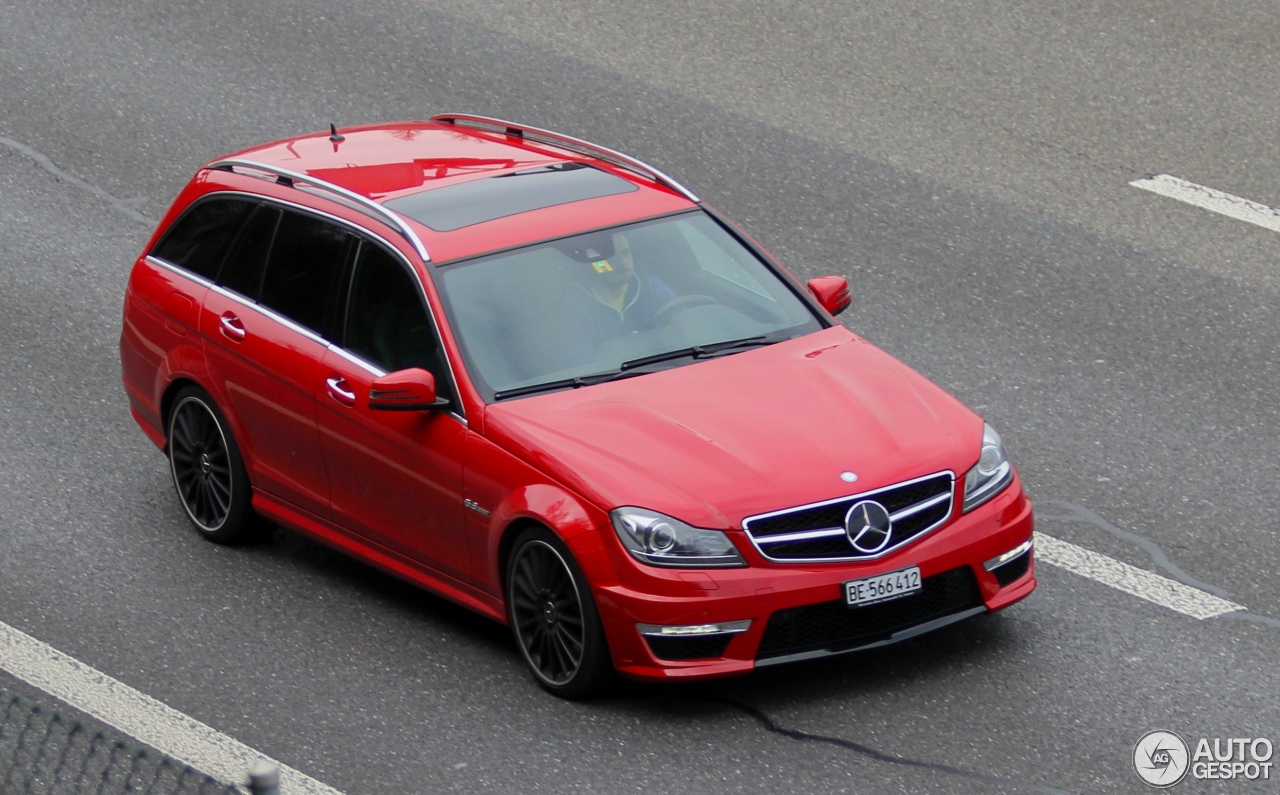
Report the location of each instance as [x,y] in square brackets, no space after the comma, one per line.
[1077,513]
[127,207]
[771,726]
[1158,557]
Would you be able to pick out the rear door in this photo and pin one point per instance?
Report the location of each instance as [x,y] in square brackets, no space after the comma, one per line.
[265,323]
[166,290]
[396,476]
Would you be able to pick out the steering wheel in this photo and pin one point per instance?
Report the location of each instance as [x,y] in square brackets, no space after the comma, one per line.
[677,305]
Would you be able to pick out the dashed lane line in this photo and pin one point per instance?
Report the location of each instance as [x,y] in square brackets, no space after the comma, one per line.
[1212,200]
[138,715]
[1132,580]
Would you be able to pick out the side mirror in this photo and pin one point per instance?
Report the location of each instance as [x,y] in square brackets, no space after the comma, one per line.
[405,390]
[832,292]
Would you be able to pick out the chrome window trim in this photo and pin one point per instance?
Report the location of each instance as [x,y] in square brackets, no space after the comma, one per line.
[151,259]
[270,314]
[258,197]
[457,415]
[378,372]
[368,367]
[431,316]
[949,495]
[387,216]
[311,335]
[422,292]
[562,141]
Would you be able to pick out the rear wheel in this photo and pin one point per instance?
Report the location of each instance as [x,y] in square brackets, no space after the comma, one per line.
[554,618]
[208,473]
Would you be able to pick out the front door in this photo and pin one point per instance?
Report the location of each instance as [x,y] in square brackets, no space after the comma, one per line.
[395,477]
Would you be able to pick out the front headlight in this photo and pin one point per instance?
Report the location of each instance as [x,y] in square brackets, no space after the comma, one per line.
[991,474]
[659,540]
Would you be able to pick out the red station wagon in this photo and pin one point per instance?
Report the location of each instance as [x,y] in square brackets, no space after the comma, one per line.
[543,379]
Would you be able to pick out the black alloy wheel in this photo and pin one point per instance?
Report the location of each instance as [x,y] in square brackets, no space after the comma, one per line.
[554,617]
[208,472]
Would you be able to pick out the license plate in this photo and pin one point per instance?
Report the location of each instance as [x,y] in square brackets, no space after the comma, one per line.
[882,588]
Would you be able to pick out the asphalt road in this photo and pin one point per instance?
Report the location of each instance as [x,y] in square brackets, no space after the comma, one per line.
[965,164]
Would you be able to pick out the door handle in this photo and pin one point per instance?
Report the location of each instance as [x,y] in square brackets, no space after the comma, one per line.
[231,327]
[340,390]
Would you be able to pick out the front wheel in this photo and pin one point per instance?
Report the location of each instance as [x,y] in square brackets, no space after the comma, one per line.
[208,473]
[554,618]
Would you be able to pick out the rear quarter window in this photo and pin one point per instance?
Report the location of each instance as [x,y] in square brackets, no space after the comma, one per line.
[199,239]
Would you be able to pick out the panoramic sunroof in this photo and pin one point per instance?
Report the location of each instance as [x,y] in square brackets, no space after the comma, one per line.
[453,207]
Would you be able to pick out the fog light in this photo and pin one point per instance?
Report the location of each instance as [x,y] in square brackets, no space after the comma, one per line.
[686,630]
[1000,560]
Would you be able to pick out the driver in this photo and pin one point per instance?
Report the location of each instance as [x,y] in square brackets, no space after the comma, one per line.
[610,298]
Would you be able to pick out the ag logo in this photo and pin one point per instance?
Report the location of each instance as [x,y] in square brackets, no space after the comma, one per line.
[1161,759]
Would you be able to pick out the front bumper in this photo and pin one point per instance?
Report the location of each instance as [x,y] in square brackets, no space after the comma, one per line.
[796,611]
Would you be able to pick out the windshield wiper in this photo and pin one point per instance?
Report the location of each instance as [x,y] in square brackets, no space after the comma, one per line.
[698,351]
[564,383]
[630,367]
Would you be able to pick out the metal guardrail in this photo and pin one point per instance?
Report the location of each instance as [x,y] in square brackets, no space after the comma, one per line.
[43,752]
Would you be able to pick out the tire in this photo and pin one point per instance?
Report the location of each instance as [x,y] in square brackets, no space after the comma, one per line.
[554,618]
[208,472]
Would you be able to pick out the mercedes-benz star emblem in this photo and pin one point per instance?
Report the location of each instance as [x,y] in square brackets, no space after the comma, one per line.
[868,526]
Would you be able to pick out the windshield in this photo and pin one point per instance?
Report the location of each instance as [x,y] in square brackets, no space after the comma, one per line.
[614,303]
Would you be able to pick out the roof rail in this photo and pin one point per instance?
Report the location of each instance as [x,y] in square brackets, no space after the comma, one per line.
[291,178]
[572,144]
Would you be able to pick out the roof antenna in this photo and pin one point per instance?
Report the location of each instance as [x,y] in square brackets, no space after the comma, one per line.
[335,136]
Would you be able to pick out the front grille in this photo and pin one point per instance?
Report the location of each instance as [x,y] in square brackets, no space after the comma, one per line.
[1013,570]
[833,626]
[697,647]
[822,525]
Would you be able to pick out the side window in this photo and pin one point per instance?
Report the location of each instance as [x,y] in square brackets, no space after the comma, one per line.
[200,238]
[305,270]
[386,322]
[243,271]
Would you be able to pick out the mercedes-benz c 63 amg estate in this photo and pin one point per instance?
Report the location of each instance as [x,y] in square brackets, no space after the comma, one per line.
[543,379]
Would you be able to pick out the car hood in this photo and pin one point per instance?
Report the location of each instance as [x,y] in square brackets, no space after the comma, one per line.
[716,441]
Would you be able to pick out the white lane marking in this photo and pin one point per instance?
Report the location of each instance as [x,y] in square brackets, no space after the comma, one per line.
[138,715]
[1212,200]
[1131,579]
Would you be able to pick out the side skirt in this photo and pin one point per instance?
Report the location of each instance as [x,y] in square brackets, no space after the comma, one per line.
[390,562]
